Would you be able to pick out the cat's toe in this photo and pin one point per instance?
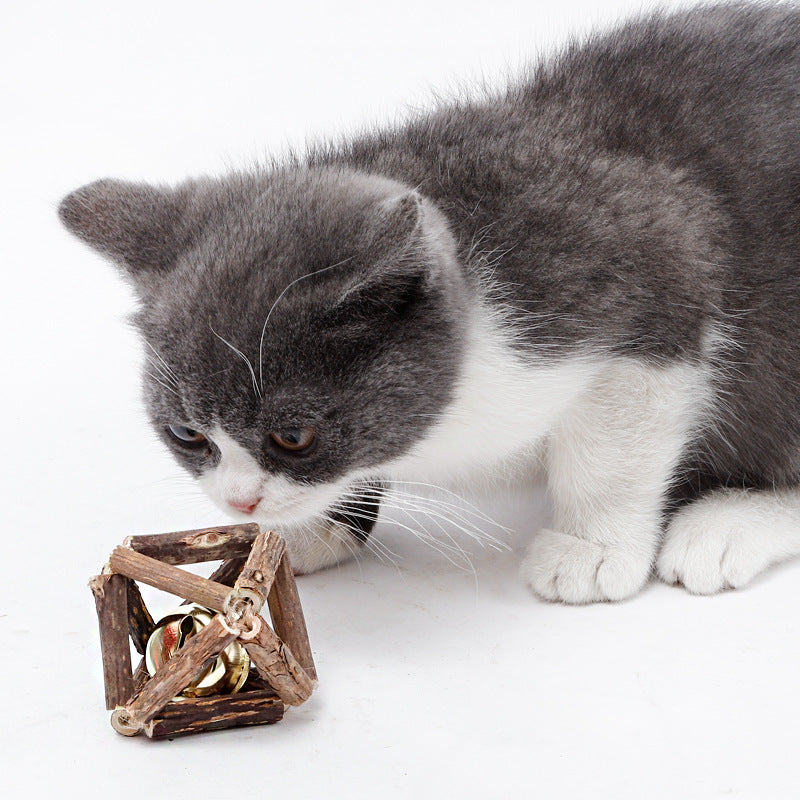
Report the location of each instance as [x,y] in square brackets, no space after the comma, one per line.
[566,568]
[708,550]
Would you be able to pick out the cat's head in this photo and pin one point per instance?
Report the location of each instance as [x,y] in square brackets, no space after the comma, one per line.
[302,326]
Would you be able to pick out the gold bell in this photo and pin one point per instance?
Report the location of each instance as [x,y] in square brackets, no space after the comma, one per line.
[225,675]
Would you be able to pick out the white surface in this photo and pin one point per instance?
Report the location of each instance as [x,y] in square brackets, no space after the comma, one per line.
[434,682]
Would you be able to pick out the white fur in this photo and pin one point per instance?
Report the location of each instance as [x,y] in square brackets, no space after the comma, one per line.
[610,458]
[502,409]
[725,539]
[293,508]
[239,478]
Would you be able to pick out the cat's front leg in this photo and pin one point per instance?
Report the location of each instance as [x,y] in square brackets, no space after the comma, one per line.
[610,460]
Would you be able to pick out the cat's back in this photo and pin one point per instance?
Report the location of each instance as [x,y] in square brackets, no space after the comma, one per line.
[715,88]
[713,91]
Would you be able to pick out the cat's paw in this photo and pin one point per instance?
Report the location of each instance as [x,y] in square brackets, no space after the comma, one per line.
[563,567]
[709,547]
[315,545]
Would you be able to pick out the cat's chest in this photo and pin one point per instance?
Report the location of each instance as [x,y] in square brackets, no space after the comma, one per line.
[503,407]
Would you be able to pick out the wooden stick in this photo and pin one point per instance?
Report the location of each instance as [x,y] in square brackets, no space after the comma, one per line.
[258,573]
[277,665]
[140,623]
[214,713]
[287,616]
[140,678]
[178,672]
[190,547]
[111,599]
[228,571]
[255,683]
[168,578]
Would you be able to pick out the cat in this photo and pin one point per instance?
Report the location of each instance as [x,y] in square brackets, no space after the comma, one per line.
[597,268]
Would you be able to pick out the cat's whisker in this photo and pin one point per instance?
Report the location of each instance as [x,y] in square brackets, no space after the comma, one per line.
[356,513]
[317,538]
[214,374]
[256,387]
[453,511]
[462,503]
[331,530]
[441,510]
[474,533]
[160,369]
[410,507]
[369,494]
[166,367]
[357,552]
[161,382]
[453,546]
[436,487]
[277,300]
[370,541]
[447,551]
[381,549]
[378,549]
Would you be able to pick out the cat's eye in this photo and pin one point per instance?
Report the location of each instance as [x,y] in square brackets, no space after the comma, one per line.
[188,437]
[295,440]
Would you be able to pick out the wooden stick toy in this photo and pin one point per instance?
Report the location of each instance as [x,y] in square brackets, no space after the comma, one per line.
[165,696]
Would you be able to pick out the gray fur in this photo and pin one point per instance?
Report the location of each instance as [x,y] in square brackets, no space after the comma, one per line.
[642,188]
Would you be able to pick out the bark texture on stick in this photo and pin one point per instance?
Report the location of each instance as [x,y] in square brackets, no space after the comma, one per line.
[228,571]
[111,599]
[287,616]
[140,623]
[140,678]
[168,578]
[191,547]
[277,665]
[215,713]
[177,673]
[259,570]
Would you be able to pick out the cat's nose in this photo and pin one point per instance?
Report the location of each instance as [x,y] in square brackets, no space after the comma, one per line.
[246,506]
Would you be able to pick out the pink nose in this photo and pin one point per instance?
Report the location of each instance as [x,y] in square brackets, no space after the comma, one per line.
[244,505]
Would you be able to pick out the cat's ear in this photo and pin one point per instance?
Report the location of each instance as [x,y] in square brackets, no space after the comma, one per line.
[136,225]
[398,223]
[398,271]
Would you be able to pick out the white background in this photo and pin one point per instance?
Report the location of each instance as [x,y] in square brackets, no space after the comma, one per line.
[436,681]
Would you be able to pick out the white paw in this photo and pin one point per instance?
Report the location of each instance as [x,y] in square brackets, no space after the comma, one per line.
[710,547]
[572,570]
[315,545]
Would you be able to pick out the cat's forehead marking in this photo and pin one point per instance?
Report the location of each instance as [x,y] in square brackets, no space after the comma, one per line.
[232,452]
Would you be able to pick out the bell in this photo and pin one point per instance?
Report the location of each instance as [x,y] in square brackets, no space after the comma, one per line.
[224,675]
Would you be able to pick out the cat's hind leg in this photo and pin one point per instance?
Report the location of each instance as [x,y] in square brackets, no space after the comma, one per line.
[723,540]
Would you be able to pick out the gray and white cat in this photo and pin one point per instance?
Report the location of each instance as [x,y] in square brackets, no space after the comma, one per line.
[599,267]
